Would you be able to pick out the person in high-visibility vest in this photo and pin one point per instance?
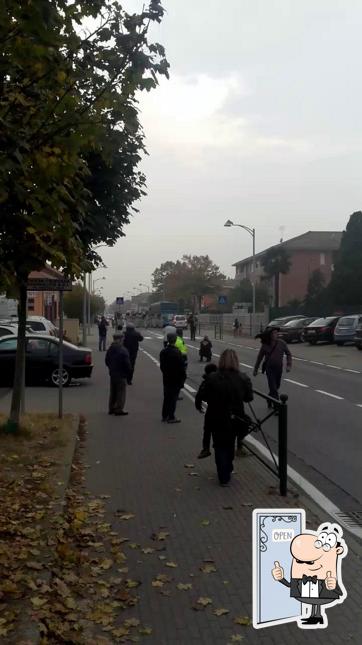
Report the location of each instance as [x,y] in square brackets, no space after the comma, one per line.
[181,346]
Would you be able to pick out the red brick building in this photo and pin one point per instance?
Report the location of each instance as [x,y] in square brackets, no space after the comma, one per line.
[44,303]
[308,252]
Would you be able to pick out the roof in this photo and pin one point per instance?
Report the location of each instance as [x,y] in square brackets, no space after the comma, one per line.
[310,241]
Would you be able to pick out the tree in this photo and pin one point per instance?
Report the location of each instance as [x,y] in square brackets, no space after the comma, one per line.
[315,291]
[73,303]
[244,293]
[187,279]
[70,138]
[276,261]
[346,282]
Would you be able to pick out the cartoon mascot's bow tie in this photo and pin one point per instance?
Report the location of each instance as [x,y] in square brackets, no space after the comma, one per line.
[309,579]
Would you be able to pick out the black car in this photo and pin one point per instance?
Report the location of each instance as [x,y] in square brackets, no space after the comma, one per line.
[278,322]
[294,330]
[41,363]
[321,329]
[358,336]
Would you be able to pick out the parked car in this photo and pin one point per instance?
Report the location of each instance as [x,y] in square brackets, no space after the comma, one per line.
[180,322]
[358,335]
[294,330]
[346,329]
[321,330]
[8,330]
[41,362]
[39,324]
[279,322]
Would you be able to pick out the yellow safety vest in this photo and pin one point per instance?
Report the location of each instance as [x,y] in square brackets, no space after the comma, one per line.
[180,344]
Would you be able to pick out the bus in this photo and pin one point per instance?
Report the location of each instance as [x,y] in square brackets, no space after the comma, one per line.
[160,313]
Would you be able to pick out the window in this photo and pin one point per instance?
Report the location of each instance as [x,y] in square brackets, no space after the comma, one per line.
[36,325]
[9,345]
[322,259]
[6,331]
[37,346]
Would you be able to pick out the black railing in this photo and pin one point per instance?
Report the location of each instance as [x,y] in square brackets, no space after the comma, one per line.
[279,408]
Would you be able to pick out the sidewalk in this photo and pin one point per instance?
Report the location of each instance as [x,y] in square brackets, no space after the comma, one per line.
[152,475]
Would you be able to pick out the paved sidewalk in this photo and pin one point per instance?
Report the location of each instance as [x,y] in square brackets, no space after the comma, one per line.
[141,464]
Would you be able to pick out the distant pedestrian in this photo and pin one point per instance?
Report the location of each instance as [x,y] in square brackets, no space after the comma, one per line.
[120,370]
[200,397]
[225,393]
[205,350]
[132,339]
[272,351]
[192,321]
[236,327]
[173,371]
[102,332]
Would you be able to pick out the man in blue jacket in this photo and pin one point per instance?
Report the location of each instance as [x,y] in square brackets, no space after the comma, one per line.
[120,371]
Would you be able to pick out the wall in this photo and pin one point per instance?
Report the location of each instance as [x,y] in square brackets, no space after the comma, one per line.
[294,284]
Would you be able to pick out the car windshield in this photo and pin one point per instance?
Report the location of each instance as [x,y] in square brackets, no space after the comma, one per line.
[321,322]
[346,322]
[35,325]
[294,323]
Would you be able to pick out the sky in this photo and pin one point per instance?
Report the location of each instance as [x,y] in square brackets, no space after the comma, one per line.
[259,123]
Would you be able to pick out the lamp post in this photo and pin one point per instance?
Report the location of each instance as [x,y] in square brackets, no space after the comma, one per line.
[251,232]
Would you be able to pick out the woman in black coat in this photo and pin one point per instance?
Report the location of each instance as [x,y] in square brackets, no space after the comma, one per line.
[225,393]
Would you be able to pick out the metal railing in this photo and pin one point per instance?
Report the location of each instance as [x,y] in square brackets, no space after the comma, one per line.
[280,408]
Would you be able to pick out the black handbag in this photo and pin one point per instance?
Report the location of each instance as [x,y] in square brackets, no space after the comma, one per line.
[242,426]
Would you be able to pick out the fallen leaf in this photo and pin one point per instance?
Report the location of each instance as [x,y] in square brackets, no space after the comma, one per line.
[127,516]
[34,565]
[162,535]
[157,583]
[237,638]
[171,564]
[221,611]
[248,503]
[119,632]
[162,557]
[205,523]
[165,592]
[207,568]
[145,631]
[38,602]
[163,577]
[131,622]
[204,601]
[184,586]
[193,474]
[189,465]
[242,620]
[106,564]
[131,584]
[147,550]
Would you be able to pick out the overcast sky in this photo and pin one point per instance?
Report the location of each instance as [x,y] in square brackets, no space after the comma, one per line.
[260,123]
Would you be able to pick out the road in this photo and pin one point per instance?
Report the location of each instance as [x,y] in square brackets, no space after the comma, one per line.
[325,411]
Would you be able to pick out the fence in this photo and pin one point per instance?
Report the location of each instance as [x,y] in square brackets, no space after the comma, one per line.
[224,323]
[280,408]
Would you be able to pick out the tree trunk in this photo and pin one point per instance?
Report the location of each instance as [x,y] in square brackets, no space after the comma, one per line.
[276,289]
[20,358]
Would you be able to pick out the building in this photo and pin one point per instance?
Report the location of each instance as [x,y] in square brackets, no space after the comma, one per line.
[44,303]
[308,252]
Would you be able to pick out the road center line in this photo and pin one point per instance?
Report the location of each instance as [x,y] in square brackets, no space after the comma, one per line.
[334,396]
[317,363]
[353,371]
[289,380]
[334,367]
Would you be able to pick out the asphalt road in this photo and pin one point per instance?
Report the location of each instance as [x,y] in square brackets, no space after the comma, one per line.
[324,392]
[325,408]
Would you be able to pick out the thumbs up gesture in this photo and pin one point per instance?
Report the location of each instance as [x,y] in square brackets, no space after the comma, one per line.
[277,572]
[330,581]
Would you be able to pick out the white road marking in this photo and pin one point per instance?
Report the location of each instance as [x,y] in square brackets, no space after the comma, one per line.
[326,504]
[189,388]
[246,365]
[317,363]
[334,367]
[334,396]
[289,380]
[359,405]
[353,371]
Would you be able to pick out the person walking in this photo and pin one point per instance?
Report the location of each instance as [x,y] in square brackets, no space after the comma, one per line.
[236,326]
[225,393]
[173,371]
[132,339]
[102,332]
[199,398]
[192,320]
[272,354]
[205,350]
[168,329]
[120,369]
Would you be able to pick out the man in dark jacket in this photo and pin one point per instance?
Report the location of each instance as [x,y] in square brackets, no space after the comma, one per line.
[102,331]
[119,365]
[174,374]
[132,339]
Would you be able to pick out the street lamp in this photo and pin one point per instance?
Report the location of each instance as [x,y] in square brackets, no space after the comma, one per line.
[251,232]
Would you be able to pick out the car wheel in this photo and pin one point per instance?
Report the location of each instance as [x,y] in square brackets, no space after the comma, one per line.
[54,377]
[312,342]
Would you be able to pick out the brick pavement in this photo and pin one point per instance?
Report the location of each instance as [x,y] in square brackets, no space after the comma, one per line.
[139,462]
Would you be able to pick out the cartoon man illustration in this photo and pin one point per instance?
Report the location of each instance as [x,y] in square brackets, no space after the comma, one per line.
[316,577]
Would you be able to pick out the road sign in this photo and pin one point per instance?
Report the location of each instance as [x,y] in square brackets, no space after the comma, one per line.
[119,300]
[49,284]
[222,300]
